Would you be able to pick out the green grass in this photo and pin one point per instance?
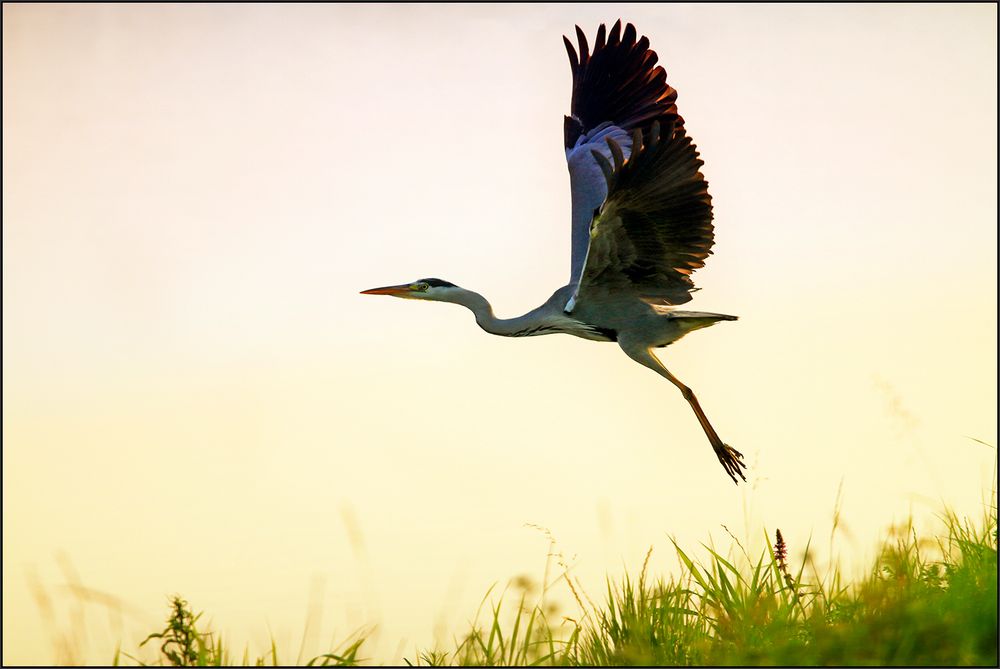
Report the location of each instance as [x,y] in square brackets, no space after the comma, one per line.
[922,602]
[910,609]
[183,644]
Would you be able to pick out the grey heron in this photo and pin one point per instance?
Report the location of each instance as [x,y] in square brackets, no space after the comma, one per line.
[641,219]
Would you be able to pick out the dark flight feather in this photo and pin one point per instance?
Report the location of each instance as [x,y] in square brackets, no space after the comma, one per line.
[655,227]
[619,82]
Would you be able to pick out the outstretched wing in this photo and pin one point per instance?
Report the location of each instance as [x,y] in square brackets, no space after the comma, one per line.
[655,226]
[616,89]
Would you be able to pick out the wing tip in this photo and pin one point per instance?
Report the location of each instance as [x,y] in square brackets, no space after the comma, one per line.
[571,52]
[628,38]
[615,36]
[581,37]
[623,52]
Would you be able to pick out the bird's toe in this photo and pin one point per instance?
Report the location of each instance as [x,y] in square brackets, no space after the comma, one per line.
[732,461]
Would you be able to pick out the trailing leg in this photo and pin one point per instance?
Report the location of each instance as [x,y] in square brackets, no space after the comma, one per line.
[731,459]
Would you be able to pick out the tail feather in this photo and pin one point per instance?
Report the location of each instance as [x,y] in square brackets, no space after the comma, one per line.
[695,320]
[703,314]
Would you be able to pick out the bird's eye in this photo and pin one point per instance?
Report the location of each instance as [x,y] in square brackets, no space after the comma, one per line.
[422,287]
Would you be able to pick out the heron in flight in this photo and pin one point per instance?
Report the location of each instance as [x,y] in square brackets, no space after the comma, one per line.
[641,219]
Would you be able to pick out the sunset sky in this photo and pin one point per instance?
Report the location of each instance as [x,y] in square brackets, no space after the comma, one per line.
[198,401]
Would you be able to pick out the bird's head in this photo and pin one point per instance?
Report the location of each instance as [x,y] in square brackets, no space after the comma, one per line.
[422,289]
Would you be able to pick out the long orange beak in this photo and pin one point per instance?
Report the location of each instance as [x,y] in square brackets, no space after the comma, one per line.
[396,291]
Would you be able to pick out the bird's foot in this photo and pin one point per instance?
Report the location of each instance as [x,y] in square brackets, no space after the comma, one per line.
[732,461]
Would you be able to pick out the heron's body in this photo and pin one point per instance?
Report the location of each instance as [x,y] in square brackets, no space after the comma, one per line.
[641,219]
[598,318]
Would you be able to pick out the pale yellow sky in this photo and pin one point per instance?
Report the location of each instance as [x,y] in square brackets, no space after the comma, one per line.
[197,400]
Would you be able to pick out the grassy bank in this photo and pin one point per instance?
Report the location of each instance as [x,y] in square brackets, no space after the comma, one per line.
[924,601]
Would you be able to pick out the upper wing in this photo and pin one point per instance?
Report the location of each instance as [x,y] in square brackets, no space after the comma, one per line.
[619,83]
[616,89]
[655,227]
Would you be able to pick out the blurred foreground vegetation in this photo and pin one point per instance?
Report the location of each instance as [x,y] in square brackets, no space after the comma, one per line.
[923,602]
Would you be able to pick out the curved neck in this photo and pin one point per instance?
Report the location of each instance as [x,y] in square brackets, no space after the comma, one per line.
[505,327]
